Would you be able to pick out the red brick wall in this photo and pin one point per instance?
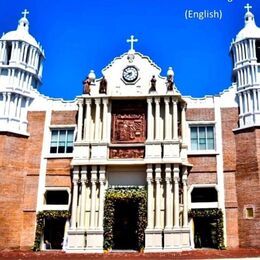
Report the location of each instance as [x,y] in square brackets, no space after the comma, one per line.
[63,117]
[229,119]
[203,170]
[20,164]
[58,173]
[248,185]
[200,114]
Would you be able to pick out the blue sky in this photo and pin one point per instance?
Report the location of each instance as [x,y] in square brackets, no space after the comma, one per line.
[80,35]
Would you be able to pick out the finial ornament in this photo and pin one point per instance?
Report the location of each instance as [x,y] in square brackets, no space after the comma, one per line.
[25,12]
[132,41]
[248,7]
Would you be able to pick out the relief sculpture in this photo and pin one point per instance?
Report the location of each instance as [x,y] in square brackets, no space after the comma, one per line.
[124,153]
[128,128]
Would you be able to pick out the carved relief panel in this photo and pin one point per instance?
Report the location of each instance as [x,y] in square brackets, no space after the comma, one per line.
[128,122]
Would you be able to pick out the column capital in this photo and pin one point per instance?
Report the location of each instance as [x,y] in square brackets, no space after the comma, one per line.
[97,101]
[166,100]
[149,100]
[88,101]
[80,102]
[157,100]
[105,101]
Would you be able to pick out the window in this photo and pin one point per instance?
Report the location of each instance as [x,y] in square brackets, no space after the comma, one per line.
[206,194]
[56,197]
[249,212]
[202,138]
[62,141]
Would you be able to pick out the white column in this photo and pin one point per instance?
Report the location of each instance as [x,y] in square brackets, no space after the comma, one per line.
[157,118]
[168,198]
[8,104]
[109,121]
[258,99]
[167,119]
[255,99]
[150,119]
[12,52]
[83,196]
[183,123]
[104,120]
[93,196]
[254,50]
[175,120]
[237,57]
[246,50]
[250,103]
[102,182]
[15,105]
[241,103]
[74,197]
[4,103]
[97,119]
[185,196]
[176,177]
[87,119]
[25,53]
[149,178]
[158,196]
[80,119]
[18,114]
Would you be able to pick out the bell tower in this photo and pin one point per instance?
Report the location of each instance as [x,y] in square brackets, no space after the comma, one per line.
[245,50]
[21,60]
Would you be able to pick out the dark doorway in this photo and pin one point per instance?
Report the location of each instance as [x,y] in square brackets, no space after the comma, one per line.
[125,225]
[54,232]
[205,234]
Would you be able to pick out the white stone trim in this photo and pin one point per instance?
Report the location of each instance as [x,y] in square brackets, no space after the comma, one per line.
[43,163]
[201,205]
[220,162]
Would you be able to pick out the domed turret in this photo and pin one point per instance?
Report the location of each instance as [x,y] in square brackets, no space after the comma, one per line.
[21,60]
[250,30]
[245,50]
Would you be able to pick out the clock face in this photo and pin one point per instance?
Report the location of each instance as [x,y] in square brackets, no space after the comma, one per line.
[130,74]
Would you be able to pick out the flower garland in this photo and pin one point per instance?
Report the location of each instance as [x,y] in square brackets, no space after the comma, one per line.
[215,214]
[41,216]
[135,194]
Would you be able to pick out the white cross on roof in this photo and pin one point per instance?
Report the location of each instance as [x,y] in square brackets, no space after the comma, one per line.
[25,12]
[132,41]
[248,7]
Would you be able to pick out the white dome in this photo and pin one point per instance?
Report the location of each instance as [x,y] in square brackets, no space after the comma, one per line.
[250,30]
[21,33]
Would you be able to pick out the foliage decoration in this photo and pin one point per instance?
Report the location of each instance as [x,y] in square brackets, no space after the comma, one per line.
[137,195]
[214,214]
[41,216]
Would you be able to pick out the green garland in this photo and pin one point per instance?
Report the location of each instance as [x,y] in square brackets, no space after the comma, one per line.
[41,216]
[215,214]
[138,195]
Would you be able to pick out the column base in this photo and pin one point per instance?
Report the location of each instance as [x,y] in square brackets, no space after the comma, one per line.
[171,149]
[95,239]
[99,151]
[153,150]
[153,240]
[176,239]
[76,240]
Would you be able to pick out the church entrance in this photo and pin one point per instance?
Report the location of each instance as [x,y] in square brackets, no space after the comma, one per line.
[125,225]
[125,218]
[205,233]
[54,233]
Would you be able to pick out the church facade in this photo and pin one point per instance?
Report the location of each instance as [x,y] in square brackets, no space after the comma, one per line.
[130,163]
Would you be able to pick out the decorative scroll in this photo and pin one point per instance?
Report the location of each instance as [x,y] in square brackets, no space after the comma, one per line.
[126,153]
